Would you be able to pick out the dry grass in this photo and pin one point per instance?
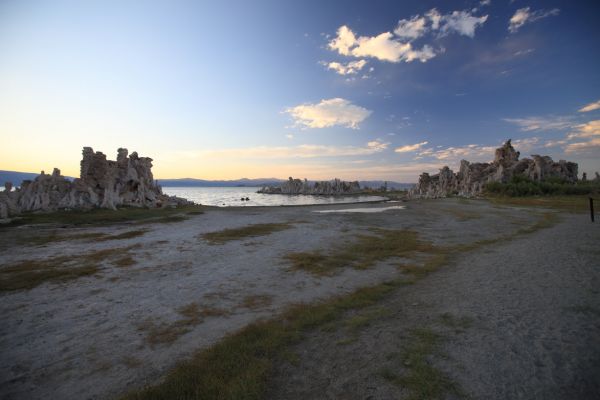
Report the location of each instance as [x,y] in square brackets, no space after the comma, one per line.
[102,216]
[132,362]
[164,333]
[239,365]
[462,215]
[257,301]
[227,235]
[29,274]
[363,253]
[126,261]
[43,238]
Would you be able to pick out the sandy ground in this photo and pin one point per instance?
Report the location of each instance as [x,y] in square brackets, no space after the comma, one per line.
[532,331]
[84,339]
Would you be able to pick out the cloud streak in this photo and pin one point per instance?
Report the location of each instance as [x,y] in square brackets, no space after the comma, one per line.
[301,151]
[525,16]
[542,123]
[410,148]
[590,107]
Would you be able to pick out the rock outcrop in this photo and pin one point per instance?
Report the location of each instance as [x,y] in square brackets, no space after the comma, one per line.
[472,177]
[103,183]
[335,187]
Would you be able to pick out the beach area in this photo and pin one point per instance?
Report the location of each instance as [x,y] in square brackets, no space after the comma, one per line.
[505,296]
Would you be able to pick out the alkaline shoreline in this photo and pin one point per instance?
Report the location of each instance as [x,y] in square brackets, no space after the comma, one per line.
[165,293]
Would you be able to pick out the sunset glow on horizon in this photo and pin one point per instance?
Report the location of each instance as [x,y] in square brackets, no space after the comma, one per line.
[229,90]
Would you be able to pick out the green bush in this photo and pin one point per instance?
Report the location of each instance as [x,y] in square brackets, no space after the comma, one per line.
[520,185]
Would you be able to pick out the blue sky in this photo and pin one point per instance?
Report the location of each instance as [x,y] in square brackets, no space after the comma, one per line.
[356,90]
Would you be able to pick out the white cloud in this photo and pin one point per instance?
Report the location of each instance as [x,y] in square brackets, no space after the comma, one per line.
[397,47]
[385,48]
[344,40]
[327,113]
[590,107]
[410,147]
[289,136]
[353,67]
[524,16]
[542,123]
[485,2]
[412,28]
[461,22]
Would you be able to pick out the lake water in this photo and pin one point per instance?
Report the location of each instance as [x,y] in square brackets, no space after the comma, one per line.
[230,196]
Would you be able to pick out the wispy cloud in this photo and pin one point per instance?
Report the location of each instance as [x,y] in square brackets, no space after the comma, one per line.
[289,152]
[377,145]
[475,152]
[590,107]
[524,16]
[542,123]
[327,113]
[411,147]
[587,130]
[588,147]
[472,152]
[350,68]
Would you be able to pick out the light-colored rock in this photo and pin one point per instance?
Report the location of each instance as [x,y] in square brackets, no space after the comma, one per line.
[102,183]
[472,177]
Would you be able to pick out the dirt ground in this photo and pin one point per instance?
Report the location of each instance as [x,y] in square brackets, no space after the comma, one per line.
[528,309]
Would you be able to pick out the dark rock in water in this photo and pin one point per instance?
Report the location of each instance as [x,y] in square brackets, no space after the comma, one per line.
[103,183]
[297,186]
[247,198]
[472,177]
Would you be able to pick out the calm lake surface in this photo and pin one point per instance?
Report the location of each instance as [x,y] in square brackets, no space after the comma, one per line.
[230,196]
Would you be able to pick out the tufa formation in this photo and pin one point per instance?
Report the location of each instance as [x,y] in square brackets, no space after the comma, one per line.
[103,183]
[472,177]
[328,188]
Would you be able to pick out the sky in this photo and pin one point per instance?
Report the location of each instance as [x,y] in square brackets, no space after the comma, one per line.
[309,89]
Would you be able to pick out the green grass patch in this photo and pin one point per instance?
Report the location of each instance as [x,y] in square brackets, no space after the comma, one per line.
[520,186]
[420,377]
[227,235]
[362,253]
[572,204]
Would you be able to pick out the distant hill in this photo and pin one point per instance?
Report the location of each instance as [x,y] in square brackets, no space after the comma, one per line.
[245,182]
[15,177]
[191,182]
